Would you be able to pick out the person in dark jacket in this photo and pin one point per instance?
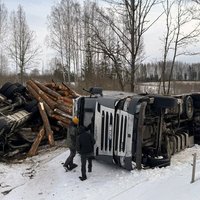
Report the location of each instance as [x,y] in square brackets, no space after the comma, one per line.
[72,134]
[85,145]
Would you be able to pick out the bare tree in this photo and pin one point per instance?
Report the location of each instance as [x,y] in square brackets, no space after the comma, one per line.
[178,37]
[137,13]
[169,36]
[64,24]
[3,31]
[22,46]
[128,22]
[56,31]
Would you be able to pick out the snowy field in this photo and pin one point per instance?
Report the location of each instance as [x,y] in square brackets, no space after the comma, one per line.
[43,178]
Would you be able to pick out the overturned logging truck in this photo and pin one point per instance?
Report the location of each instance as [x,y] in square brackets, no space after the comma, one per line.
[141,130]
[133,131]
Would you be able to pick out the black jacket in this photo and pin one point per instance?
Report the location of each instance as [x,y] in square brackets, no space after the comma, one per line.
[72,133]
[85,142]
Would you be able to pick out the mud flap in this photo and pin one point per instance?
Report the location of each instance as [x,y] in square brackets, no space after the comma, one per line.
[128,163]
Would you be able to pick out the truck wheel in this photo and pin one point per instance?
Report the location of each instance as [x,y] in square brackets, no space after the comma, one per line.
[158,162]
[31,106]
[20,88]
[164,102]
[196,100]
[188,107]
[5,87]
[10,92]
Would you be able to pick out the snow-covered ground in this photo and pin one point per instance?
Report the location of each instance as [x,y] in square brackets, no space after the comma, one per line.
[43,178]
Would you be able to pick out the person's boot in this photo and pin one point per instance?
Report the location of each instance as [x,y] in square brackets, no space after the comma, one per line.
[82,178]
[89,169]
[72,166]
[67,168]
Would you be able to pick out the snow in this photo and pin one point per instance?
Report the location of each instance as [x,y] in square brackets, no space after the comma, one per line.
[43,178]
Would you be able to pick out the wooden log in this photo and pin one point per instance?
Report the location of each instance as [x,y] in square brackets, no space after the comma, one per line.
[51,85]
[34,93]
[38,98]
[68,105]
[51,97]
[47,126]
[64,108]
[35,145]
[44,97]
[72,92]
[48,109]
[66,99]
[61,113]
[64,120]
[47,90]
[64,93]
[66,89]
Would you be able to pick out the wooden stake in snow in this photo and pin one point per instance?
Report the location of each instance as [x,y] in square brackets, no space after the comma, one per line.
[194,167]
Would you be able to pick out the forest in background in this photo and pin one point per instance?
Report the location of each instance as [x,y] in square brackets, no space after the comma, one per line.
[101,43]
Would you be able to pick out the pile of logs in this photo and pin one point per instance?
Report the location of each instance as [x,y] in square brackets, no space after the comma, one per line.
[55,100]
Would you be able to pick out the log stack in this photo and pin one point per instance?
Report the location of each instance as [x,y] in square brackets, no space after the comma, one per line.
[55,100]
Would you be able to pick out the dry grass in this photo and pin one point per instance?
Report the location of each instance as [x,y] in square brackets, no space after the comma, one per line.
[178,87]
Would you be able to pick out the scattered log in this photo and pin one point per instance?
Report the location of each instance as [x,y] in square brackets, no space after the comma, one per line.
[35,145]
[47,126]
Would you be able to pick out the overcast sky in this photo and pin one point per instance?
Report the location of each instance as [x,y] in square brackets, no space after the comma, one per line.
[36,14]
[37,11]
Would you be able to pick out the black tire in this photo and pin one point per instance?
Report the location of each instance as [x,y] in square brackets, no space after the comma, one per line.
[31,106]
[5,87]
[196,100]
[158,162]
[188,107]
[164,102]
[20,89]
[10,92]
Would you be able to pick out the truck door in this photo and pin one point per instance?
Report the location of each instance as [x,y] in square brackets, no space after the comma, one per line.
[104,129]
[123,137]
[123,133]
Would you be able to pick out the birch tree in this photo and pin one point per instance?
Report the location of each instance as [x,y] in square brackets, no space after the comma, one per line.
[64,22]
[22,48]
[3,37]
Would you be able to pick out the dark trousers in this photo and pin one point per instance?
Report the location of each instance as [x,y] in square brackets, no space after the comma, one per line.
[69,160]
[84,158]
